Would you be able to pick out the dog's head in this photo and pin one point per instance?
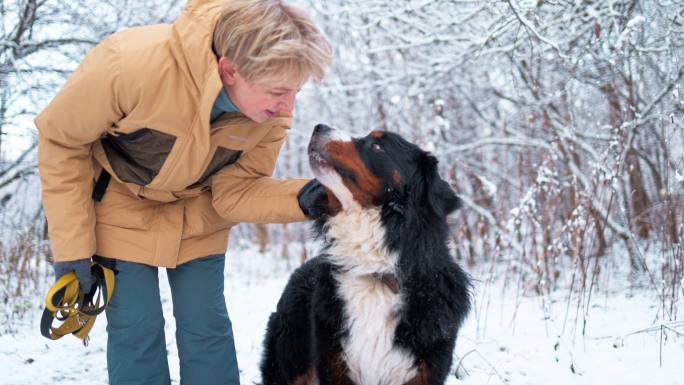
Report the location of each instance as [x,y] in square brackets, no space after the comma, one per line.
[381,169]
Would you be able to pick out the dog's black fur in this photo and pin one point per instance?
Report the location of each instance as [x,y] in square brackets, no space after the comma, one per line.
[305,336]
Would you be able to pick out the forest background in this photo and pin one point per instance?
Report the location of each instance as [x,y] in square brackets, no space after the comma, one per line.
[560,124]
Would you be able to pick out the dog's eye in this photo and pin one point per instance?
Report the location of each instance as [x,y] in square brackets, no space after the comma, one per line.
[376,147]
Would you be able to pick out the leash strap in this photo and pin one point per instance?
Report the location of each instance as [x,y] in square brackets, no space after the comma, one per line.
[101,185]
[76,310]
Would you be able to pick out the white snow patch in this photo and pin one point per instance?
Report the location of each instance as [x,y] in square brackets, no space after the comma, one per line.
[516,339]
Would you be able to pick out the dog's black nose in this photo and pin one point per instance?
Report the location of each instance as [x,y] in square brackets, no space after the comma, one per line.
[321,129]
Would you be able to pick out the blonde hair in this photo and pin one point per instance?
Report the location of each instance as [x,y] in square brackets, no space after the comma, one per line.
[267,40]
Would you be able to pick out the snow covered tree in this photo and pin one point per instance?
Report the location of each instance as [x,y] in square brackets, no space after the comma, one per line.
[41,42]
[560,123]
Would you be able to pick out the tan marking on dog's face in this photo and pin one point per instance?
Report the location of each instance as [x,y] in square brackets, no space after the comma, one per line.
[365,186]
[334,204]
[396,176]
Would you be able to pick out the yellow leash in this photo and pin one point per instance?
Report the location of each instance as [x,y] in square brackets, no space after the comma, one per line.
[76,310]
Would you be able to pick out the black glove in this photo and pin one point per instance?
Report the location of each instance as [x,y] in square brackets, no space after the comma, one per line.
[313,199]
[82,269]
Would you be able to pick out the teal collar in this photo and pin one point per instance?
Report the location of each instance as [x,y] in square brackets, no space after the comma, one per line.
[221,105]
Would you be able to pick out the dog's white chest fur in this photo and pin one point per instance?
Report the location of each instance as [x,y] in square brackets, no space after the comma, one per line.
[371,307]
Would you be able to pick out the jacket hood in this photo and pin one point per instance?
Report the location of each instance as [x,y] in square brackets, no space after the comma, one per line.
[193,37]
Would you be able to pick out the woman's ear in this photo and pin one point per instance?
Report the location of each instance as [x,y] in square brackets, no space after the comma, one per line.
[227,70]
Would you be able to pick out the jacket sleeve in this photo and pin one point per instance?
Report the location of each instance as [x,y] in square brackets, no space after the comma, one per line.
[78,116]
[245,191]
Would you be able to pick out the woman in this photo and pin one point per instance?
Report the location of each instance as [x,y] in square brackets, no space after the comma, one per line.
[164,138]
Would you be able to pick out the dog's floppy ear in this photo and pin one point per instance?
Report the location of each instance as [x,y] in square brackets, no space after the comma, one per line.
[441,196]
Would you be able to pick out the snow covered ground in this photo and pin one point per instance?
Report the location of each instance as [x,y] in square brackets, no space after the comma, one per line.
[508,339]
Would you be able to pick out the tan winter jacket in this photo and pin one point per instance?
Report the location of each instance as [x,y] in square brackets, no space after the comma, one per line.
[138,106]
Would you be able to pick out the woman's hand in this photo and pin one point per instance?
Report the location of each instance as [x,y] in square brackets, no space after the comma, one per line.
[82,269]
[313,199]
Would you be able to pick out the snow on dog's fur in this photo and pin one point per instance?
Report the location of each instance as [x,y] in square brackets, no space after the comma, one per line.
[383,302]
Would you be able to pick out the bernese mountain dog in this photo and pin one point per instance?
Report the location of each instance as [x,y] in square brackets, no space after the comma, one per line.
[383,302]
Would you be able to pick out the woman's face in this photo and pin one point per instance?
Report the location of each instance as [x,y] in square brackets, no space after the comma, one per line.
[258,101]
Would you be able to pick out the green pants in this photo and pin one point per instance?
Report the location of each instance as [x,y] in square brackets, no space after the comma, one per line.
[136,349]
